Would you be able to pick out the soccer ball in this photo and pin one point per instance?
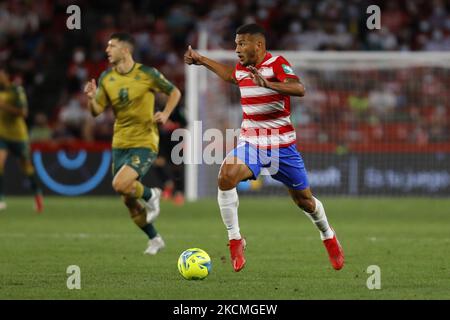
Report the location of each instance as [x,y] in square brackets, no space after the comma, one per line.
[194,264]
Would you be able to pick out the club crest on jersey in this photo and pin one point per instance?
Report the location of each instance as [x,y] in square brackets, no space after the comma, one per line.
[287,69]
[123,97]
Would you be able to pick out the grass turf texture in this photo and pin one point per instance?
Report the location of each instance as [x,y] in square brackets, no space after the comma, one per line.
[407,238]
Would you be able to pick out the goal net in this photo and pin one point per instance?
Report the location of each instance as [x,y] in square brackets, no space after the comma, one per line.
[369,124]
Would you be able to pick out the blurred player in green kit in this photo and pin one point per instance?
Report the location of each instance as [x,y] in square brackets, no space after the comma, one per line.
[14,136]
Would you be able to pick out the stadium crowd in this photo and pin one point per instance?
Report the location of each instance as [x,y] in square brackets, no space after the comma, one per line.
[53,62]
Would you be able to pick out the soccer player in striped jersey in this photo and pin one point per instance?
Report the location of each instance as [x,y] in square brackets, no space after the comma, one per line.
[130,88]
[267,137]
[14,135]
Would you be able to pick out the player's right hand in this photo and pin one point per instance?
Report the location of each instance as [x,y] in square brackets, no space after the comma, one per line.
[191,56]
[90,88]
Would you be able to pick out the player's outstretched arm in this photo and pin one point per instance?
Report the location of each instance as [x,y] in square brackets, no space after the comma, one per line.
[223,71]
[172,102]
[292,87]
[90,90]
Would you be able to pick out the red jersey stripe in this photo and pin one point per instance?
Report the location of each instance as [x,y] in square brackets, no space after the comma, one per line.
[266,116]
[249,132]
[262,99]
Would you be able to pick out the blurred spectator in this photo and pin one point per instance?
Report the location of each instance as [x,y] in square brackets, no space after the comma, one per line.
[382,101]
[40,131]
[17,18]
[77,72]
[108,27]
[77,119]
[359,104]
[104,123]
[438,123]
[342,107]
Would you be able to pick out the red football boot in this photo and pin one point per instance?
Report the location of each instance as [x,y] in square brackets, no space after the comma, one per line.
[178,199]
[38,203]
[167,193]
[335,252]
[237,248]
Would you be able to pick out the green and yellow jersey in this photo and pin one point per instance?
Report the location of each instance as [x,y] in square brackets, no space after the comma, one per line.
[132,97]
[13,127]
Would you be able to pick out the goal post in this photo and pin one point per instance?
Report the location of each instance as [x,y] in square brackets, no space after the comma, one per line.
[371,123]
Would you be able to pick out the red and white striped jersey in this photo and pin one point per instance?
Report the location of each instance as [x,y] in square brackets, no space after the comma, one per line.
[266,119]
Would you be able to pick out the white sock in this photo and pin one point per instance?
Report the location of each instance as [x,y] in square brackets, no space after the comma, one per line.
[228,204]
[319,218]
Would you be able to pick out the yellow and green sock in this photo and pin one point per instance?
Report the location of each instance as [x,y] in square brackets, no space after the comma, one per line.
[142,191]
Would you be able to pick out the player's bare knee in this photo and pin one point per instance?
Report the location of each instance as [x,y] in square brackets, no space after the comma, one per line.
[120,186]
[227,180]
[116,185]
[309,206]
[306,204]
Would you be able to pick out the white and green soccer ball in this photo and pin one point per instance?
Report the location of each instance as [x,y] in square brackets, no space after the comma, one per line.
[194,264]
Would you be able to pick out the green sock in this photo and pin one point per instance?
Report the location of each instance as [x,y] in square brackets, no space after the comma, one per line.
[1,187]
[149,230]
[147,193]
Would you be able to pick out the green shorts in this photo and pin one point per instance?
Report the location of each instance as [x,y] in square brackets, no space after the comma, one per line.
[20,149]
[140,159]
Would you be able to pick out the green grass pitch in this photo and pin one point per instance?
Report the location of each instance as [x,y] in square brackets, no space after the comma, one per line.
[409,239]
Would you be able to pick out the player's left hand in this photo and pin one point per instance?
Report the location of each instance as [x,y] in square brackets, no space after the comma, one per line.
[161,117]
[257,77]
